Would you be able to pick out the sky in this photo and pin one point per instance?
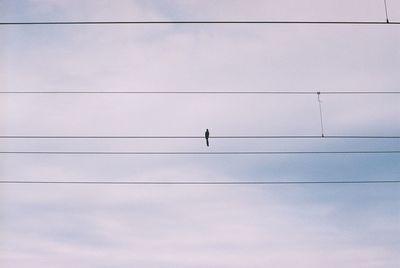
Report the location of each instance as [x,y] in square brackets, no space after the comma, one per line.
[186,225]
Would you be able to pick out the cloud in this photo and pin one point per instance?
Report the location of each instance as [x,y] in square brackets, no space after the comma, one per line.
[47,226]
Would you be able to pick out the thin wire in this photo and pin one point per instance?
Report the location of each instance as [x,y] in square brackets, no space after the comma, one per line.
[320,115]
[196,22]
[114,182]
[196,137]
[205,92]
[386,11]
[198,153]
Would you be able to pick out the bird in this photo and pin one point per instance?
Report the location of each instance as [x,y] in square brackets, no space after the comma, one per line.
[207,135]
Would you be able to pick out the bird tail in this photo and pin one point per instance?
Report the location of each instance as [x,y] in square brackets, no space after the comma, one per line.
[207,143]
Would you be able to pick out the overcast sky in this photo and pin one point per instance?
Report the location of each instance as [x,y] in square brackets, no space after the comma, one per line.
[199,226]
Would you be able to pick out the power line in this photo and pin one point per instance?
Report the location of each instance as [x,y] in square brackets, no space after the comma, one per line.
[320,114]
[198,137]
[198,22]
[386,12]
[197,152]
[208,92]
[115,182]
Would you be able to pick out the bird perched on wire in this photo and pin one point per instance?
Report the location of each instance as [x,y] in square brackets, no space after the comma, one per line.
[207,135]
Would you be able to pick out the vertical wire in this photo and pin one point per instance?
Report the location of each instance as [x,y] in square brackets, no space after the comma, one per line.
[386,11]
[320,114]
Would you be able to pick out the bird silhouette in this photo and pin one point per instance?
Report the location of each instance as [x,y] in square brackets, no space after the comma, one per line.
[207,135]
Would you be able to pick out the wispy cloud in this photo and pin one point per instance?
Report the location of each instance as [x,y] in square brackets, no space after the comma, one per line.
[189,226]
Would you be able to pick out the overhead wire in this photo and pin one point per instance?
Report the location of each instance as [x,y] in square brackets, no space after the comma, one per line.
[320,114]
[198,152]
[187,182]
[206,92]
[196,137]
[386,12]
[155,22]
[199,137]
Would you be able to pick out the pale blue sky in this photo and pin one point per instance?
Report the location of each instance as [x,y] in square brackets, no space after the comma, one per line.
[192,226]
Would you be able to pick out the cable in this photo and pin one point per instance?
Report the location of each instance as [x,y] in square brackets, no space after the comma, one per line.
[320,114]
[197,22]
[196,137]
[386,12]
[199,182]
[207,92]
[196,153]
